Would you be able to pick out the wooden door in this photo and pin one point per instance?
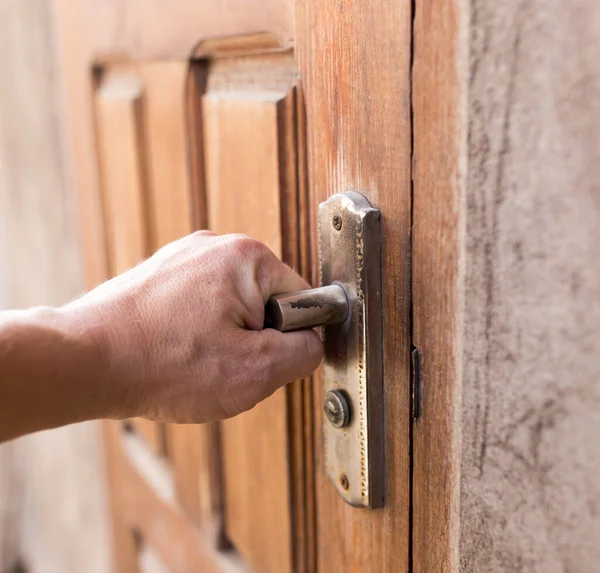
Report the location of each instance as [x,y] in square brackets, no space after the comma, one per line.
[242,117]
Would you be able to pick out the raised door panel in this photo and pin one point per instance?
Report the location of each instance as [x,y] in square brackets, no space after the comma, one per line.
[251,179]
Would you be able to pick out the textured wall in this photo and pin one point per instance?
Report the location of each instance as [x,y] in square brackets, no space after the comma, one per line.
[530,494]
[52,509]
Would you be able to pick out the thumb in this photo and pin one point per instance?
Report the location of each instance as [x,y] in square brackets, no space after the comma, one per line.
[288,356]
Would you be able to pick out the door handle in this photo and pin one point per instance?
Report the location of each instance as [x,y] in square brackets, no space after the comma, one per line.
[348,306]
[307,308]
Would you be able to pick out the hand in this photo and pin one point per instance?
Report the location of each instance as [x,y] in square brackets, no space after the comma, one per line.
[182,331]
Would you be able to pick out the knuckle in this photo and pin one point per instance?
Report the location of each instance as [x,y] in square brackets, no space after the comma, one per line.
[247,246]
[201,235]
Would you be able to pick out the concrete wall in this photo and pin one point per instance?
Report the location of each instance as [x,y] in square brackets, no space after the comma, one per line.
[530,495]
[52,508]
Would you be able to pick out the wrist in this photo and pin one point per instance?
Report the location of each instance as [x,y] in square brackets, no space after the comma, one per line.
[108,343]
[85,364]
[51,371]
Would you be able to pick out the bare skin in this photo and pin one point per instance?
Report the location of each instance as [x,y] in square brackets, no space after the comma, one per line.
[178,338]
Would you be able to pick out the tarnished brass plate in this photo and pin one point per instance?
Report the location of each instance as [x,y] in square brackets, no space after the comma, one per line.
[350,251]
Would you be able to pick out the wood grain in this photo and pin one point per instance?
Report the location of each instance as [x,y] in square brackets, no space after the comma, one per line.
[90,33]
[354,60]
[251,132]
[439,101]
[254,78]
[121,147]
[120,144]
[306,419]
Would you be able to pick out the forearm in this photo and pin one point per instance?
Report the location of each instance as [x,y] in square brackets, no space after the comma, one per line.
[178,338]
[52,372]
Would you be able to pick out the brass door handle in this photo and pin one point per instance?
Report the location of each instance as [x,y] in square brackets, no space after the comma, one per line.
[349,309]
[307,308]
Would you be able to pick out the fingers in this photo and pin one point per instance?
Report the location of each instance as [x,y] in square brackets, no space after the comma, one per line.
[285,279]
[272,276]
[285,357]
[275,277]
[258,275]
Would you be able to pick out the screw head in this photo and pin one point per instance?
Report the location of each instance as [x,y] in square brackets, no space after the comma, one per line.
[336,408]
[344,481]
[337,222]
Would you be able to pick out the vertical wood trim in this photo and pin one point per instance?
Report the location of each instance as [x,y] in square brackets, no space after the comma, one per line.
[307,562]
[195,89]
[439,171]
[354,60]
[120,142]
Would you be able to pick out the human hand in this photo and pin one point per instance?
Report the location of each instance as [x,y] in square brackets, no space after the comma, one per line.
[182,332]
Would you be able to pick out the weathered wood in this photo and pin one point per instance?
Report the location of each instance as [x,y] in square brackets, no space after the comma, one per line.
[439,132]
[354,60]
[165,139]
[151,131]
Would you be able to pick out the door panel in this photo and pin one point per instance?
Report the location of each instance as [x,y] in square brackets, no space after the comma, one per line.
[251,165]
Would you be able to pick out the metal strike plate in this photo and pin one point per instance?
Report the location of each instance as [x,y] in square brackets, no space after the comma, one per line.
[350,252]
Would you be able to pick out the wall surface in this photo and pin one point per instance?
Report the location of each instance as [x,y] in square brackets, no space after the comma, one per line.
[530,485]
[52,508]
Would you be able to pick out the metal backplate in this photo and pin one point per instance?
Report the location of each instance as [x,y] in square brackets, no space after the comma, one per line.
[350,251]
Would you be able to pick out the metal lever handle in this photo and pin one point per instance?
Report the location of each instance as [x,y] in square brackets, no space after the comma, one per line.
[307,308]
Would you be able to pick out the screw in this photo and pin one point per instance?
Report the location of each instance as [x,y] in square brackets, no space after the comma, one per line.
[336,408]
[344,481]
[337,222]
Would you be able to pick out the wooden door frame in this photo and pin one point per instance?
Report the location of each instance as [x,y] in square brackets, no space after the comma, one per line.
[439,104]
